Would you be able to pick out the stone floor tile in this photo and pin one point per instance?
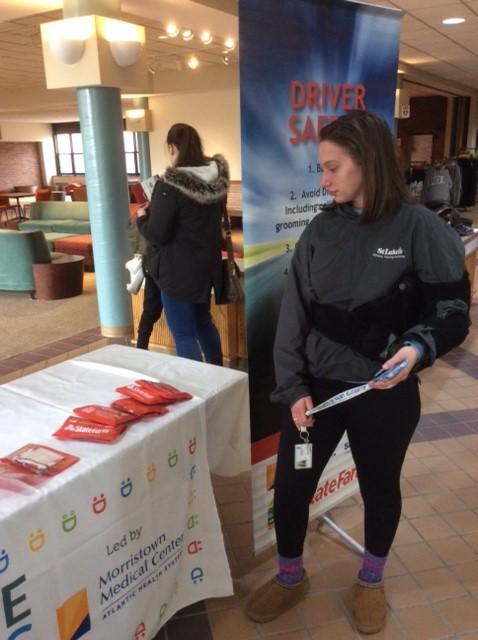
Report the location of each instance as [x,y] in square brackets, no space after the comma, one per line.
[422,623]
[460,613]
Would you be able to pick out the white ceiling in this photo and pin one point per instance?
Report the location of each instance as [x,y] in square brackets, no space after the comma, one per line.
[448,52]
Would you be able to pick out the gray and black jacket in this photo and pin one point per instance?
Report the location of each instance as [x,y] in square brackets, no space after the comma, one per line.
[185,232]
[356,292]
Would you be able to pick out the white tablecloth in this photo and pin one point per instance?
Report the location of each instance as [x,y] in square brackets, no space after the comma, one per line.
[117,543]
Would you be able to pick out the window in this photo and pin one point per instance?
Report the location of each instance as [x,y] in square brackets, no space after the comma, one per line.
[69,150]
[69,153]
[131,152]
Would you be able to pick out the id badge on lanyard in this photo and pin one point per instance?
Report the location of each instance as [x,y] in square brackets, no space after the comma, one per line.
[303,452]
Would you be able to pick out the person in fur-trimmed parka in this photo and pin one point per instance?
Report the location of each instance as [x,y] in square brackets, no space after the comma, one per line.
[183,226]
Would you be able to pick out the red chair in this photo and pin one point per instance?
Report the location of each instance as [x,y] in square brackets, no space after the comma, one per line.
[70,187]
[43,193]
[5,207]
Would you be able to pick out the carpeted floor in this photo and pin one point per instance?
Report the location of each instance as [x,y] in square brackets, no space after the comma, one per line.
[26,324]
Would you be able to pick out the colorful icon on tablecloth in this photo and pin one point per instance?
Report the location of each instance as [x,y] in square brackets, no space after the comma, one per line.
[162,610]
[36,540]
[4,560]
[126,487]
[151,472]
[173,458]
[140,632]
[192,472]
[192,496]
[193,521]
[197,575]
[69,522]
[99,504]
[73,617]
[195,546]
[26,628]
[192,445]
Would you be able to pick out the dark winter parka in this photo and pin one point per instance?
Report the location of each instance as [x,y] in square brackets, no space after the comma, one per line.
[184,230]
[356,292]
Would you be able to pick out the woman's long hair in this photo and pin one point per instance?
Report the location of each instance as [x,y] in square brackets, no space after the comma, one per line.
[188,143]
[368,139]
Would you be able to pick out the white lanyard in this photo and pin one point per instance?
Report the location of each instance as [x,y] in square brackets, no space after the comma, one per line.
[357,391]
[340,397]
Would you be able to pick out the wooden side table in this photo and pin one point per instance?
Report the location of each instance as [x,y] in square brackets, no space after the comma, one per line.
[60,278]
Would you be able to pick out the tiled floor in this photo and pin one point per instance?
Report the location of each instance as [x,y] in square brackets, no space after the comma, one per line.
[432,572]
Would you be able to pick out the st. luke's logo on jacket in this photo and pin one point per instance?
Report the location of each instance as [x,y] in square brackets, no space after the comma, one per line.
[389,254]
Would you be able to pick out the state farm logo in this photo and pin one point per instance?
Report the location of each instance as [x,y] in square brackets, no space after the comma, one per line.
[389,254]
[140,632]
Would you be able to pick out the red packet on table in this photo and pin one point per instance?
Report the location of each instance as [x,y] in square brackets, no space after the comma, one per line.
[141,394]
[104,415]
[40,459]
[81,429]
[135,408]
[167,391]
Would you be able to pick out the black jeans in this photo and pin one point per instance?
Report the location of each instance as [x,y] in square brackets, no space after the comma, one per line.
[152,309]
[380,425]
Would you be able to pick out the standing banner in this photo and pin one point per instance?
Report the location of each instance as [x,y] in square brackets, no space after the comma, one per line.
[303,63]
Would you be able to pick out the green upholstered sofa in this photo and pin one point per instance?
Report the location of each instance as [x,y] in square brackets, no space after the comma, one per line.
[58,217]
[19,250]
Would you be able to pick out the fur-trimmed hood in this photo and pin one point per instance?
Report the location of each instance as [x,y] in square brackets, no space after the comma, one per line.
[206,185]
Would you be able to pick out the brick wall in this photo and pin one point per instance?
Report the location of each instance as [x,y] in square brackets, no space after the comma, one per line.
[19,164]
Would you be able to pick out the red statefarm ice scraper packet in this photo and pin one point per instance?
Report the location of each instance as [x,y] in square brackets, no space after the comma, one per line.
[136,408]
[146,396]
[104,415]
[168,392]
[81,429]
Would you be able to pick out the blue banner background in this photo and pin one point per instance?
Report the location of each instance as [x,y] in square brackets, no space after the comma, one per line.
[283,41]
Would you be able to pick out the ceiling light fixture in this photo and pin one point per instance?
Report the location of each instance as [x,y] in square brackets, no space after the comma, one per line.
[206,37]
[66,38]
[225,59]
[126,41]
[135,114]
[230,44]
[453,20]
[187,34]
[172,30]
[193,62]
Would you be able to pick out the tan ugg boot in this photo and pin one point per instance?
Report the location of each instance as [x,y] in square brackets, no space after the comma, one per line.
[274,598]
[368,606]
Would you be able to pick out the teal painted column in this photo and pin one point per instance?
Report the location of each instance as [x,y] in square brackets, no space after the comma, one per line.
[144,155]
[101,126]
[144,152]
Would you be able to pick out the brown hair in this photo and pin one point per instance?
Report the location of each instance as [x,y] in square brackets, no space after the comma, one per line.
[188,143]
[368,139]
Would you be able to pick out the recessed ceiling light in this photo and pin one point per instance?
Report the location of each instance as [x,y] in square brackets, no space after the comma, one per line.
[206,37]
[229,43]
[187,34]
[172,30]
[193,62]
[453,20]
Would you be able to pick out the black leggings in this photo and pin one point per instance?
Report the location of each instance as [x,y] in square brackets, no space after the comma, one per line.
[152,309]
[380,425]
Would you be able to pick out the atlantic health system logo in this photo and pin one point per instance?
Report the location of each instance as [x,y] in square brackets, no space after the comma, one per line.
[73,617]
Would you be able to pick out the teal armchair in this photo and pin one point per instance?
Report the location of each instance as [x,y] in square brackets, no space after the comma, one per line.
[19,250]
